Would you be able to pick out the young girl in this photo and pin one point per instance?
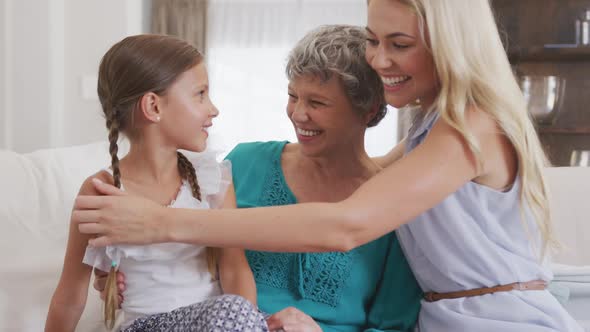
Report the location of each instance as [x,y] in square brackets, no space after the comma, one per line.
[154,89]
[465,189]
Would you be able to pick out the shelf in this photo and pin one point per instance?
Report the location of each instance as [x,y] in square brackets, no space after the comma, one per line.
[541,53]
[564,131]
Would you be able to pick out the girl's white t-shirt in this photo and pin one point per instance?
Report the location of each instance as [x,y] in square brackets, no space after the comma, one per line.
[166,276]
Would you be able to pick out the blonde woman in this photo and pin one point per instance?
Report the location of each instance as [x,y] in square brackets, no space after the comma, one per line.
[464,190]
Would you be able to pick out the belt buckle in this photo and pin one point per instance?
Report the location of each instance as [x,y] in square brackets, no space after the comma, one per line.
[429,297]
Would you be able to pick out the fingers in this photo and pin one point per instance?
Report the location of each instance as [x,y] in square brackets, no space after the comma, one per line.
[98,242]
[120,282]
[281,318]
[273,323]
[85,202]
[99,273]
[100,279]
[120,288]
[292,320]
[86,216]
[101,241]
[100,283]
[91,228]
[106,189]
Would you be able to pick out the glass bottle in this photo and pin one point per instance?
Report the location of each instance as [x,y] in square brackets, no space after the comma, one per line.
[583,29]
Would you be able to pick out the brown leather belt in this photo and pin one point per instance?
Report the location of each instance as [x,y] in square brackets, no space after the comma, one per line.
[521,286]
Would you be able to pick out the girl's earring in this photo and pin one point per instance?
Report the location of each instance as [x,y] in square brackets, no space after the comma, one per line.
[158,118]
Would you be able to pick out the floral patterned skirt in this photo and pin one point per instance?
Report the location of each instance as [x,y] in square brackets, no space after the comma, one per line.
[225,313]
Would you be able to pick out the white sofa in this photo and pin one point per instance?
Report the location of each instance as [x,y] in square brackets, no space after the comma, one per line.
[36,195]
[37,192]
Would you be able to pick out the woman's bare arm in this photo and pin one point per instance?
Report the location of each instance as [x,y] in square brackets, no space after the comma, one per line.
[401,192]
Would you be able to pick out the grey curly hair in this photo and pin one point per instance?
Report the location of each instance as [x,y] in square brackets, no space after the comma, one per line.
[340,50]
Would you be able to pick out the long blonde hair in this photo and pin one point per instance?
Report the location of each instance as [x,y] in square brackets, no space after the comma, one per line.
[131,68]
[473,70]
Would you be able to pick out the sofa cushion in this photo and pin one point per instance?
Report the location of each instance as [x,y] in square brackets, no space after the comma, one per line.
[570,210]
[38,190]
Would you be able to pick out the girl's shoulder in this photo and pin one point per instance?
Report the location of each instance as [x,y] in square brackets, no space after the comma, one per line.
[87,188]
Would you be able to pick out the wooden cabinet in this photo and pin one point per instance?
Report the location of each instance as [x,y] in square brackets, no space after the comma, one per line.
[527,26]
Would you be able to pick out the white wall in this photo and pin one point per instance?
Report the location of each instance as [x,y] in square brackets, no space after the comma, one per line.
[91,28]
[26,73]
[49,48]
[2,74]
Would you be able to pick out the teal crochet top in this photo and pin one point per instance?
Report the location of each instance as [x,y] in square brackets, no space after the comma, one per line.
[370,288]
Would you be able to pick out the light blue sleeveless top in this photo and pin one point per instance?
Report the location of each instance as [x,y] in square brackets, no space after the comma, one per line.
[476,238]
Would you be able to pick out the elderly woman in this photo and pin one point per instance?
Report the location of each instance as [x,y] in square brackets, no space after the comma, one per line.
[333,97]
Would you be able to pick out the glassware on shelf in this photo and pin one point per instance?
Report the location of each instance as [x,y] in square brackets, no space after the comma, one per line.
[544,96]
[580,158]
[583,29]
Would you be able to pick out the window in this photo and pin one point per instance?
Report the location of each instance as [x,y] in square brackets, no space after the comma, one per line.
[248,43]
